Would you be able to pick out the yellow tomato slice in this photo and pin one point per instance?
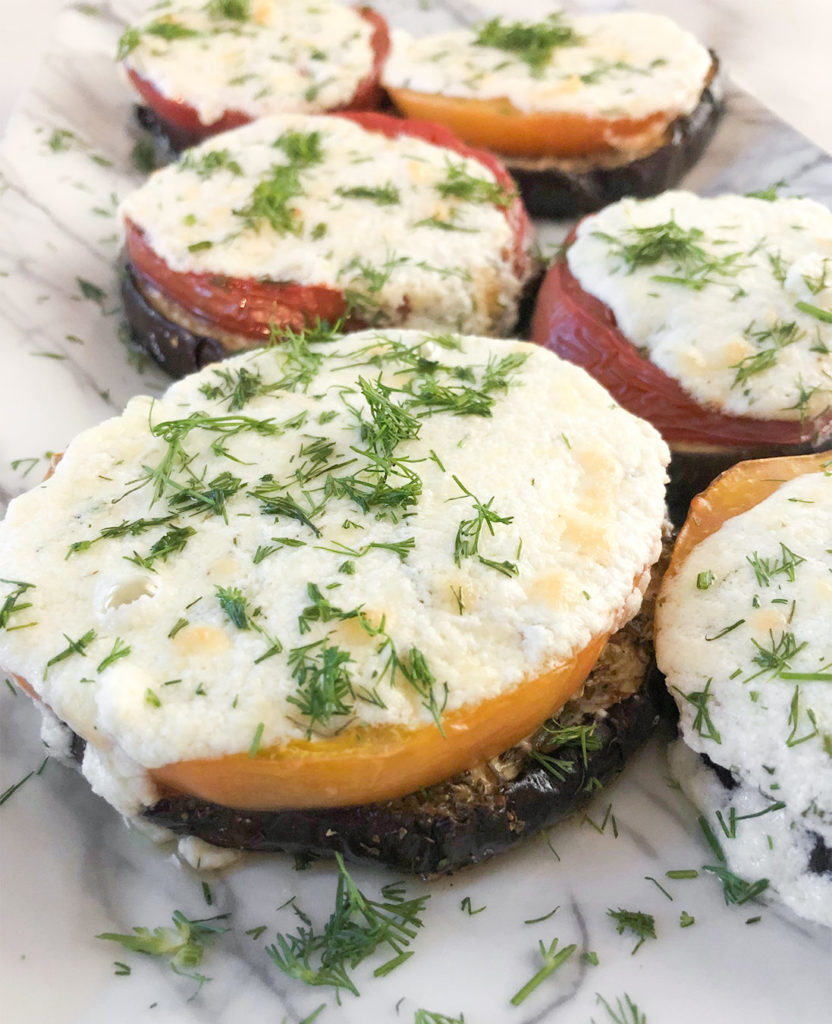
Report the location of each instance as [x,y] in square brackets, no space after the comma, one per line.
[363,765]
[735,491]
[496,124]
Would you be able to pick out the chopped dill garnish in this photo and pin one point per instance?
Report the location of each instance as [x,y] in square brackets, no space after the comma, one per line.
[120,650]
[460,184]
[382,195]
[357,927]
[552,959]
[183,946]
[643,926]
[531,42]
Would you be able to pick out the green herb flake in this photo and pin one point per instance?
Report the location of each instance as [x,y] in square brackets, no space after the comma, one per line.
[643,926]
[357,927]
[533,43]
[552,959]
[183,945]
[120,650]
[235,606]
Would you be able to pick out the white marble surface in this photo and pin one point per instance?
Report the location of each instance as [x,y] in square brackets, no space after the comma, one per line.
[70,869]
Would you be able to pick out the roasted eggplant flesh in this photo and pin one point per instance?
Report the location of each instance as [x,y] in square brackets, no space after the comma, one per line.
[479,813]
[568,188]
[176,348]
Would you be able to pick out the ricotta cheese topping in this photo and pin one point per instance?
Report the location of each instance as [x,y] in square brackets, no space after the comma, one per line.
[775,847]
[625,65]
[729,296]
[410,523]
[254,56]
[410,232]
[743,636]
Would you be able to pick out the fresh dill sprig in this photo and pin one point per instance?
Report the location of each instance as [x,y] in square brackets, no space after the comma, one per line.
[78,646]
[357,927]
[209,163]
[233,10]
[531,42]
[702,722]
[324,685]
[123,529]
[382,195]
[12,604]
[574,740]
[693,266]
[183,945]
[302,149]
[269,202]
[735,889]
[624,1013]
[468,534]
[120,650]
[778,336]
[235,606]
[766,568]
[643,926]
[460,184]
[237,387]
[168,544]
[552,959]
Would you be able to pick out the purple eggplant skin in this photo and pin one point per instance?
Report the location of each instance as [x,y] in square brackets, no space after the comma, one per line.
[450,826]
[169,142]
[692,471]
[176,349]
[820,858]
[552,191]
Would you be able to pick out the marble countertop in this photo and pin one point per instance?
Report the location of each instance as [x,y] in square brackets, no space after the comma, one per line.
[69,869]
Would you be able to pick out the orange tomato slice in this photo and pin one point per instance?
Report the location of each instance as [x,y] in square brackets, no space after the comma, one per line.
[735,491]
[364,765]
[498,125]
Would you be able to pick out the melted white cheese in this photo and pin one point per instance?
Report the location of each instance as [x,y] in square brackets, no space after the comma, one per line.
[390,256]
[626,65]
[746,643]
[288,55]
[734,337]
[776,846]
[579,481]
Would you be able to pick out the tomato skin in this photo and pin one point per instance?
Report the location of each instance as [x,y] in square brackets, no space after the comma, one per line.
[183,121]
[735,491]
[582,329]
[250,307]
[236,304]
[498,125]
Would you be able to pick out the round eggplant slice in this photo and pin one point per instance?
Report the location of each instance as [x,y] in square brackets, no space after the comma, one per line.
[481,812]
[569,187]
[178,349]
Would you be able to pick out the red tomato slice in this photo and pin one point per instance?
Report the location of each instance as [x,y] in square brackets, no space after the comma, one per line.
[582,329]
[182,120]
[251,307]
[237,304]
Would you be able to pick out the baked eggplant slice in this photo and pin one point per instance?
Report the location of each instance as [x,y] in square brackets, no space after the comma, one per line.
[273,660]
[570,187]
[204,69]
[583,110]
[254,234]
[480,812]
